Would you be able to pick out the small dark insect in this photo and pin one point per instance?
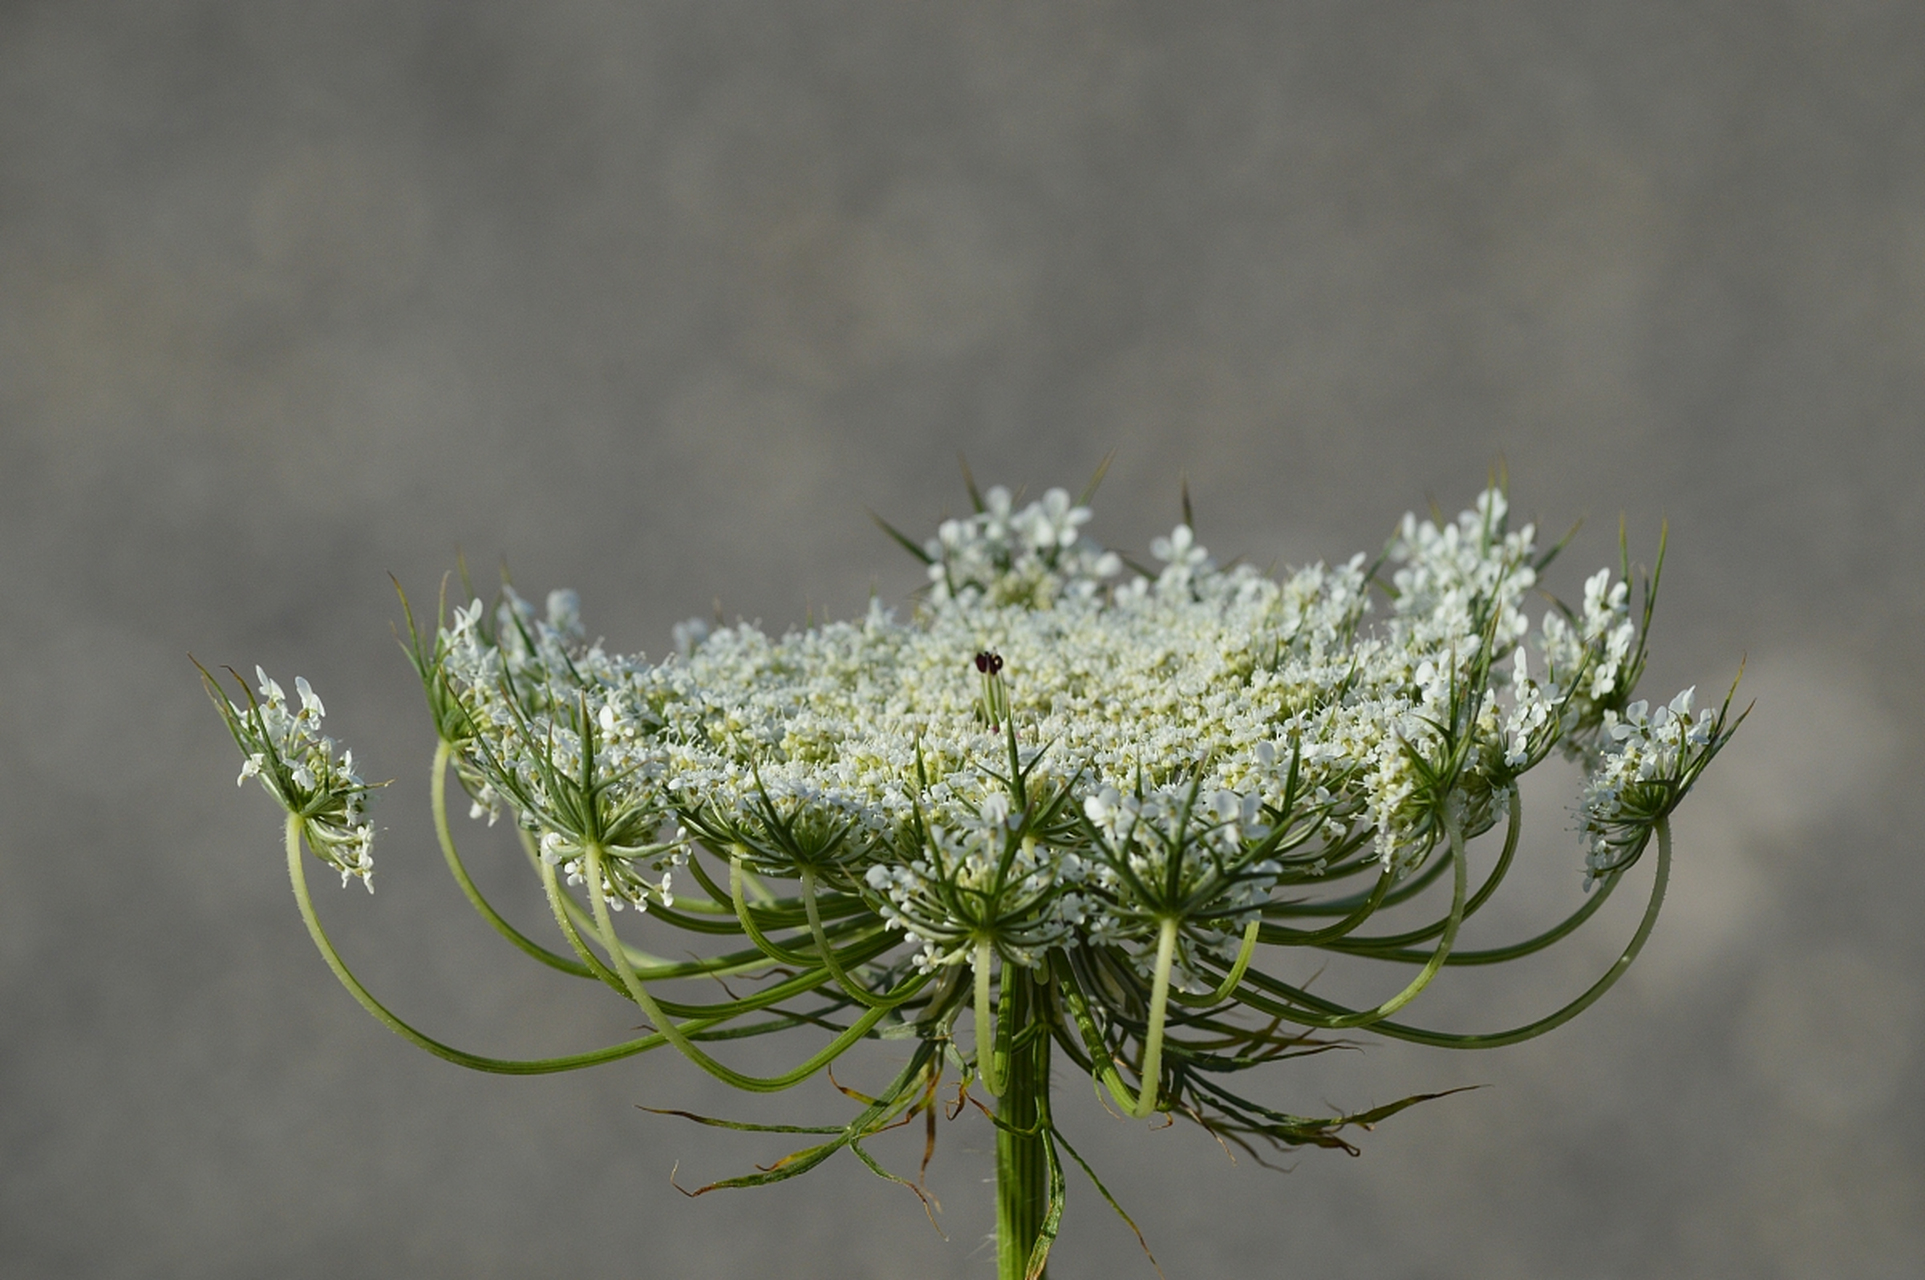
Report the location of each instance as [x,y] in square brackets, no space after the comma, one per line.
[989,663]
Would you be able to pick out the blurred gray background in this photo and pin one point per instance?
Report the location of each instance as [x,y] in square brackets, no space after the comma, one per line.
[655,300]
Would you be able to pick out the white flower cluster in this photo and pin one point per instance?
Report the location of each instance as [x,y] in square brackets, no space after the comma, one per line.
[296,763]
[1650,759]
[1004,556]
[548,740]
[1184,746]
[947,892]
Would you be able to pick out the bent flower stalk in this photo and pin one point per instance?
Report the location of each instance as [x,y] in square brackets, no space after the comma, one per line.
[1068,810]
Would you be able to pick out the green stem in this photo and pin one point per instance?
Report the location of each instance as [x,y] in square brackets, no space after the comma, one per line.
[1307,1010]
[1454,831]
[439,787]
[1102,1062]
[986,1064]
[297,873]
[1022,1161]
[677,1036]
[1159,1010]
[762,943]
[857,992]
[551,885]
[869,936]
[1226,988]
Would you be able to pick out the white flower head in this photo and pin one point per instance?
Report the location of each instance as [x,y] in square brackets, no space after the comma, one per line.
[1120,789]
[298,766]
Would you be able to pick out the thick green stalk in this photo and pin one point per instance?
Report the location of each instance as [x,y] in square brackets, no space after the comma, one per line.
[1022,1160]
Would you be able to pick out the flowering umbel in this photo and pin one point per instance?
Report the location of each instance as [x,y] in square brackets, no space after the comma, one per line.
[295,763]
[1084,807]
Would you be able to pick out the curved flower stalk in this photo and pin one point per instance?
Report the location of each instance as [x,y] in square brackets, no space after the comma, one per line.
[1087,813]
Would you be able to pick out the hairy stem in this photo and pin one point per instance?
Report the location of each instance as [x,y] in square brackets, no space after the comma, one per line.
[1022,1160]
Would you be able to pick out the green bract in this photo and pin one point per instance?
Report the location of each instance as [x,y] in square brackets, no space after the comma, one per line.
[1082,806]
